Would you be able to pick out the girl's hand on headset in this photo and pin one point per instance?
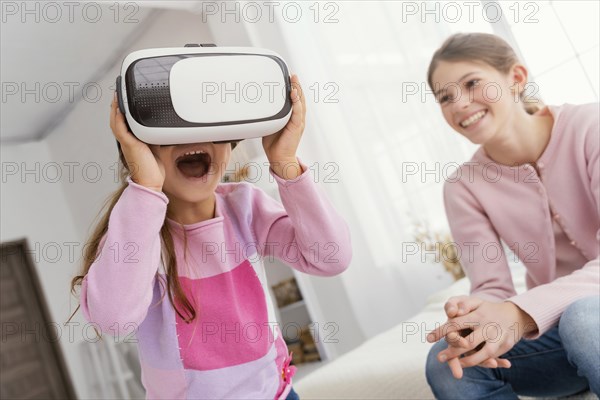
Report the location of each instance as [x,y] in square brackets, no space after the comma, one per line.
[281,146]
[145,166]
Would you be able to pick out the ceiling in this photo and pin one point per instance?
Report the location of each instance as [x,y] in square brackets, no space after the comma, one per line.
[52,55]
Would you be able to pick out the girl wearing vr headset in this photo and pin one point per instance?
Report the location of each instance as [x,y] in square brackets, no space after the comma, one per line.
[535,184]
[173,229]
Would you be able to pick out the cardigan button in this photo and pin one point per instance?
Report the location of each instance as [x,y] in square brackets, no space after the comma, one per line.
[573,243]
[540,165]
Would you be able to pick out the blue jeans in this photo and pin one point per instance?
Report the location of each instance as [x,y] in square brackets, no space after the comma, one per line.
[564,361]
[292,395]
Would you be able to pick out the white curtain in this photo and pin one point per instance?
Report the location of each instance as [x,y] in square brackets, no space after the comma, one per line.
[570,73]
[376,140]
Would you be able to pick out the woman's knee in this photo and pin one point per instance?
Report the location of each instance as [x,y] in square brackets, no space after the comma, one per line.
[477,382]
[579,331]
[579,323]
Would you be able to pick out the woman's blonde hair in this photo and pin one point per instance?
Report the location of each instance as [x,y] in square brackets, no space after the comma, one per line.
[483,47]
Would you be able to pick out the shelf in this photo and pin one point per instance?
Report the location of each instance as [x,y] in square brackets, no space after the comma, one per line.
[292,306]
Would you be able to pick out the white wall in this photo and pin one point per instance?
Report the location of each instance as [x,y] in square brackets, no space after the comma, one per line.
[85,136]
[34,208]
[55,212]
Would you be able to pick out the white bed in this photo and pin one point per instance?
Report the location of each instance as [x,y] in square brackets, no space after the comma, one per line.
[391,365]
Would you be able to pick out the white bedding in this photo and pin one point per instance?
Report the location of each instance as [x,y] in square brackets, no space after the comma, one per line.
[392,364]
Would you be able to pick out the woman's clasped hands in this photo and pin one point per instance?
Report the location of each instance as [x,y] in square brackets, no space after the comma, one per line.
[479,332]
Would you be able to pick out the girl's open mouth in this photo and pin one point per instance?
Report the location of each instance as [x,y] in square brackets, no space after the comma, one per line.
[194,164]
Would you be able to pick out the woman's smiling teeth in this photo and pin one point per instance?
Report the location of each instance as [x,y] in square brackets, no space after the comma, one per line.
[473,118]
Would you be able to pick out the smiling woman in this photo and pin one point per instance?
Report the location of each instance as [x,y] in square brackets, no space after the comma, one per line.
[473,94]
[553,207]
[487,60]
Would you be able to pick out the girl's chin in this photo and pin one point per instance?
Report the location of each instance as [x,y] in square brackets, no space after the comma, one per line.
[191,197]
[479,139]
[477,136]
[192,190]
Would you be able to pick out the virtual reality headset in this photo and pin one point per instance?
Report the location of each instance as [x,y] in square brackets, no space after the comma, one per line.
[203,93]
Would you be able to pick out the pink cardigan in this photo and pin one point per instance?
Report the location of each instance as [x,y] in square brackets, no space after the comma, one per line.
[487,202]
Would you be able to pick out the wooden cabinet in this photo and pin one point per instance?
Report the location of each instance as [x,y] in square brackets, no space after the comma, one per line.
[299,328]
[31,361]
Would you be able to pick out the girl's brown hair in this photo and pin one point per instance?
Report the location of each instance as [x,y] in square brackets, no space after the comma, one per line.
[92,248]
[483,47]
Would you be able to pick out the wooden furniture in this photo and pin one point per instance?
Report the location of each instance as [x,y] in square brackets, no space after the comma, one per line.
[31,361]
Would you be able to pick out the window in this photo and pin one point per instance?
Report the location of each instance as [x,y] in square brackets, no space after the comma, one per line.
[387,134]
[559,41]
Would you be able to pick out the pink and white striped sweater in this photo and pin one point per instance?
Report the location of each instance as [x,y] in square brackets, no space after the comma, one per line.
[233,349]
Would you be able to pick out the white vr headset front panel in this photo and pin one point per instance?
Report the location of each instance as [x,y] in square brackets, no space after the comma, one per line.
[252,87]
[229,88]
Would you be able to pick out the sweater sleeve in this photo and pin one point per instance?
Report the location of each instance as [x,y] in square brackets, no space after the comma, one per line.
[306,232]
[546,303]
[117,290]
[480,250]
